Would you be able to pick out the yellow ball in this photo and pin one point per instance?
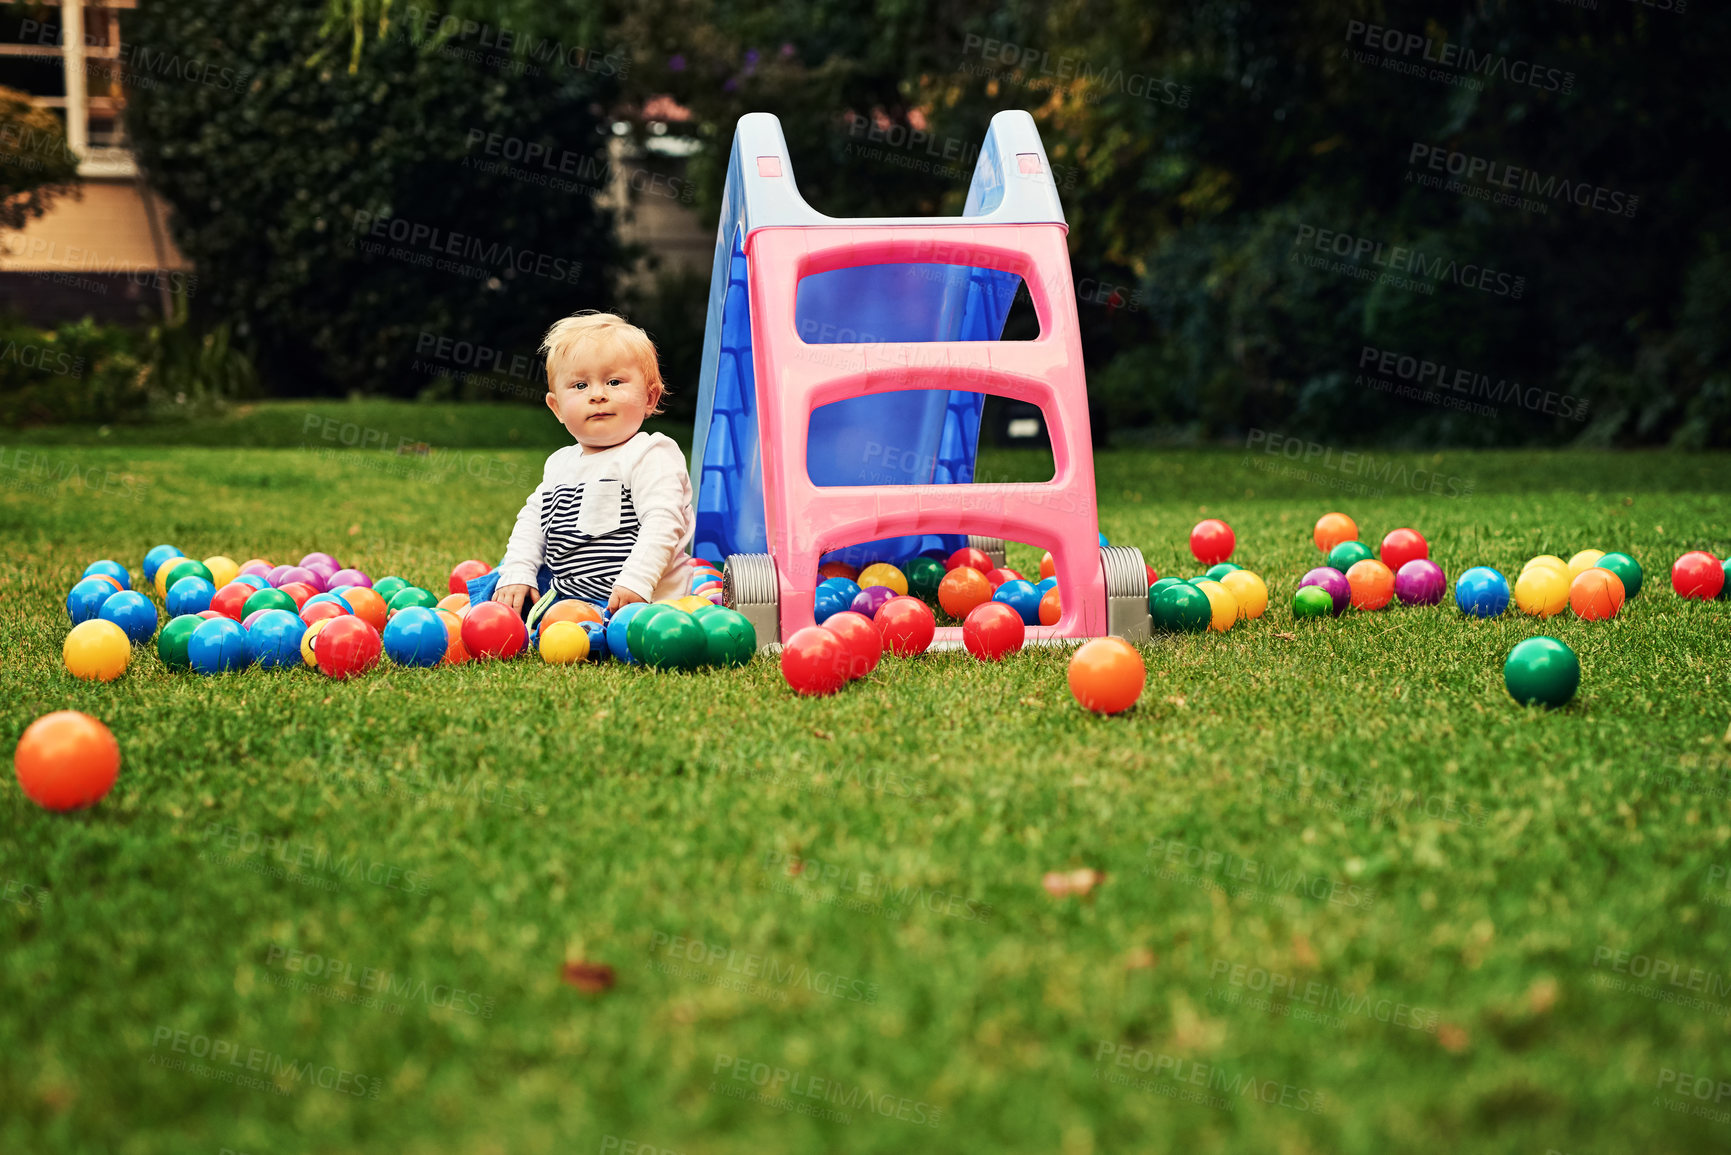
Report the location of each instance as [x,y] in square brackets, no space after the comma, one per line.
[563,643]
[97,651]
[1221,601]
[222,570]
[882,573]
[1584,561]
[1542,590]
[1546,559]
[1250,590]
[307,640]
[691,603]
[162,577]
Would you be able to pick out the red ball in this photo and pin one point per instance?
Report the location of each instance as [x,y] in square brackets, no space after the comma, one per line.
[906,626]
[1697,574]
[815,661]
[319,611]
[999,576]
[493,630]
[1402,546]
[1212,541]
[66,760]
[1153,574]
[208,614]
[463,571]
[299,591]
[860,636]
[346,647]
[970,557]
[230,598]
[992,630]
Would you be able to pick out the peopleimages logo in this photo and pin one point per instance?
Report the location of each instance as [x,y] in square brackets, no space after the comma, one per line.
[1482,177]
[1455,59]
[1435,375]
[1399,260]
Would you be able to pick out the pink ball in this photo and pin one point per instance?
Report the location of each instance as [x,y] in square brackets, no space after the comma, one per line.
[320,561]
[348,577]
[1332,582]
[251,618]
[1420,582]
[296,573]
[274,577]
[260,567]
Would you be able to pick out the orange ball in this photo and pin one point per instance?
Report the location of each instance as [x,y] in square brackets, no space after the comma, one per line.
[1107,675]
[962,589]
[570,610]
[455,654]
[1372,584]
[66,760]
[1596,594]
[368,606]
[838,569]
[1332,529]
[1050,609]
[453,601]
[1048,567]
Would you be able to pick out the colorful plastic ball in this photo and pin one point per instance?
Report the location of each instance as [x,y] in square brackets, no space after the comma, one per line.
[493,630]
[190,595]
[133,613]
[860,637]
[1107,675]
[177,568]
[1547,560]
[230,601]
[729,637]
[1371,583]
[340,601]
[1482,592]
[617,642]
[274,640]
[673,641]
[838,569]
[269,600]
[307,640]
[1584,561]
[84,603]
[111,568]
[883,574]
[924,575]
[387,587]
[1180,607]
[1725,586]
[319,560]
[154,559]
[1021,596]
[455,602]
[349,577]
[1332,582]
[962,589]
[1420,582]
[1222,606]
[969,557]
[1051,608]
[1697,574]
[570,610]
[906,626]
[1542,591]
[1596,594]
[222,570]
[112,582]
[1212,541]
[1250,591]
[464,572]
[299,591]
[96,651]
[871,599]
[1216,572]
[1348,554]
[1050,583]
[1001,575]
[251,581]
[634,632]
[246,623]
[417,637]
[1048,566]
[368,605]
[216,647]
[1627,569]
[171,642]
[595,631]
[1161,584]
[347,646]
[299,573]
[1312,602]
[210,614]
[993,630]
[702,582]
[1332,529]
[256,567]
[1542,670]
[1400,546]
[559,644]
[66,761]
[412,597]
[829,602]
[815,662]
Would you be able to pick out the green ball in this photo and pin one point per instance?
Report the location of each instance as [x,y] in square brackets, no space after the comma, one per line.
[1216,572]
[702,611]
[1542,670]
[673,641]
[1312,602]
[171,642]
[729,636]
[409,597]
[185,569]
[1182,607]
[270,600]
[634,634]
[388,587]
[1348,554]
[1627,569]
[1163,583]
[924,574]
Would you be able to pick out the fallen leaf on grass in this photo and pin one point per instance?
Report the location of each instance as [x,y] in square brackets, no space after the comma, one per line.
[1060,883]
[1141,959]
[1302,952]
[1454,1039]
[824,734]
[590,978]
[1285,637]
[1174,700]
[1030,700]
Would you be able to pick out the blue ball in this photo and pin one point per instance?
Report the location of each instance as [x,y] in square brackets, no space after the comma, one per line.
[828,603]
[616,626]
[250,579]
[338,599]
[274,640]
[416,636]
[190,595]
[219,645]
[1103,540]
[133,613]
[113,569]
[1022,597]
[841,585]
[598,651]
[701,580]
[1482,592]
[1045,584]
[84,603]
[154,559]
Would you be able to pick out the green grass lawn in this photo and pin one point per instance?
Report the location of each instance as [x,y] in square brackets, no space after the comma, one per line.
[1355,900]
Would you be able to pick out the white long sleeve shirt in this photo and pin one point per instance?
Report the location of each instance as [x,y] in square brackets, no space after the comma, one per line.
[618,517]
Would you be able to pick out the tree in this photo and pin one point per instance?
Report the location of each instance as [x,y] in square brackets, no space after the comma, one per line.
[36,166]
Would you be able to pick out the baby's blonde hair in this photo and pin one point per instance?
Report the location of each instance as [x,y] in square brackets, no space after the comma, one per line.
[569,332]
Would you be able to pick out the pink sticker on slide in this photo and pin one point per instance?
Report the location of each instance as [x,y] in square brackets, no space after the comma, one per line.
[1028,163]
[769,166]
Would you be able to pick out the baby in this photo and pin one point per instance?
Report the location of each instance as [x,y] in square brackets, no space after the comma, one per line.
[612,516]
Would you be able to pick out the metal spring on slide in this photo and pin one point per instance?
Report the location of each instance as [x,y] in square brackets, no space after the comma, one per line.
[748,579]
[1125,575]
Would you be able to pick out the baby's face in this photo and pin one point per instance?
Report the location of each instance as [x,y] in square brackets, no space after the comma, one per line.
[600,394]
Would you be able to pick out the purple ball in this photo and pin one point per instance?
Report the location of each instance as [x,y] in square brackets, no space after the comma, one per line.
[871,599]
[261,568]
[349,577]
[321,561]
[1420,582]
[296,573]
[321,567]
[1332,582]
[274,577]
[246,624]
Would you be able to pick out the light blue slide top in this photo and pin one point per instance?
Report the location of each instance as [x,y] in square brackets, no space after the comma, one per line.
[900,438]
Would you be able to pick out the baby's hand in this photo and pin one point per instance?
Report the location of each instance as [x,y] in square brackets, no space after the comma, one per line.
[621,597]
[514,596]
